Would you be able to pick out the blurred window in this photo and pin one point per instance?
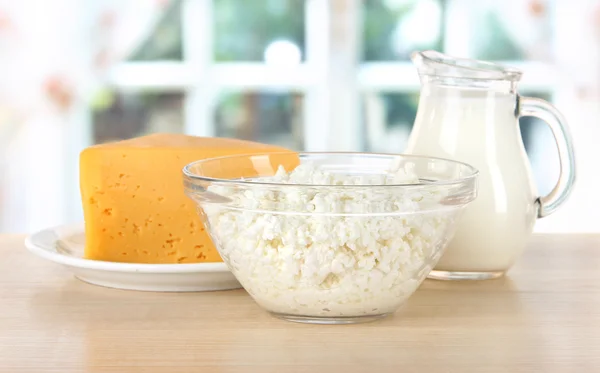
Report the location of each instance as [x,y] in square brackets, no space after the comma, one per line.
[282,71]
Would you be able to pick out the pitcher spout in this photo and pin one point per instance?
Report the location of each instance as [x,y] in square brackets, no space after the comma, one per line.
[440,66]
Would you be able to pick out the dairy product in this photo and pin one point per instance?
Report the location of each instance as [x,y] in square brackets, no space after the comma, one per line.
[134,206]
[480,127]
[325,251]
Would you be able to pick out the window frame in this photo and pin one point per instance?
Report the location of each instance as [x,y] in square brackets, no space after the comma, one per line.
[331,67]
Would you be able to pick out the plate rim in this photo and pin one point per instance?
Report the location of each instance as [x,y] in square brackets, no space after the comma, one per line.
[71,261]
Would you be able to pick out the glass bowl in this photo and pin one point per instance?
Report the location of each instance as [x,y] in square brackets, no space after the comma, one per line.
[348,237]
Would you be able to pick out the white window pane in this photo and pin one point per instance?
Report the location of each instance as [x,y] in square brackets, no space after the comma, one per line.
[272,118]
[389,118]
[165,40]
[392,29]
[122,116]
[508,30]
[244,30]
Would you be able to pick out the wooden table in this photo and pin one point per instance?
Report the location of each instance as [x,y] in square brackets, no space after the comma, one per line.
[543,317]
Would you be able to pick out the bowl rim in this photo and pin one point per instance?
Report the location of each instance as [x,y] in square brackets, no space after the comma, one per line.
[474,172]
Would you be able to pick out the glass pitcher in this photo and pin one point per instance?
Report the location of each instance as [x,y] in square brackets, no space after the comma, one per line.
[468,111]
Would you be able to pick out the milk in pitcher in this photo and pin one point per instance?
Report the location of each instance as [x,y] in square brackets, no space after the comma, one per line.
[468,111]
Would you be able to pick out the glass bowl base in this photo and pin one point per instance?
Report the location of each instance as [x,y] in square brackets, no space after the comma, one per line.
[324,320]
[458,276]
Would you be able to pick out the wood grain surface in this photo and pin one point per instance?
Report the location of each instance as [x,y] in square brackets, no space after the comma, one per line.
[543,317]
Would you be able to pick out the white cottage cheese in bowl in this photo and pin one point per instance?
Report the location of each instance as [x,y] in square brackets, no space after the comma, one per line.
[322,245]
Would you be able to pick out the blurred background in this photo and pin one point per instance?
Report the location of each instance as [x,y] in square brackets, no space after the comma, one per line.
[306,74]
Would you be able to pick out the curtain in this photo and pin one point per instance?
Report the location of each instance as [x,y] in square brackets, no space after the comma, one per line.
[54,56]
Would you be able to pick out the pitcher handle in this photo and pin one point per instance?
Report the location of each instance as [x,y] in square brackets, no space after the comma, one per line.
[534,107]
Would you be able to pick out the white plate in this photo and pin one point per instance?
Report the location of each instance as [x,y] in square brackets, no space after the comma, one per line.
[65,244]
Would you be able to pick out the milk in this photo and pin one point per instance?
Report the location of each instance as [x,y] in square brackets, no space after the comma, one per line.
[480,127]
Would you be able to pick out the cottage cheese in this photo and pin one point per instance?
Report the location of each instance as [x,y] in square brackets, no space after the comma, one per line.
[326,251]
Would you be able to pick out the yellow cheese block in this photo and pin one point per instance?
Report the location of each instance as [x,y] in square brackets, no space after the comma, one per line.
[133,200]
